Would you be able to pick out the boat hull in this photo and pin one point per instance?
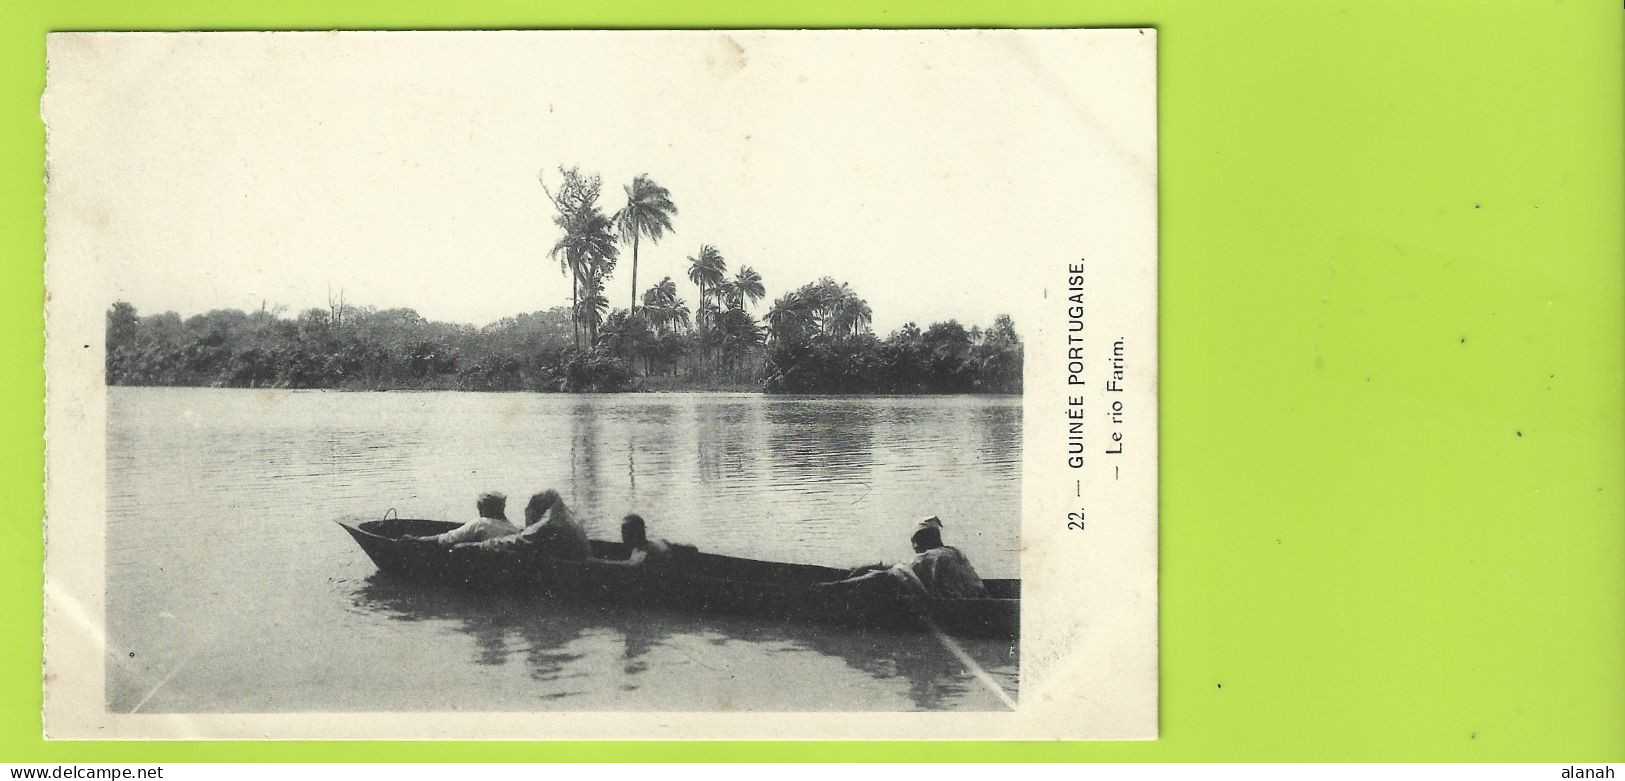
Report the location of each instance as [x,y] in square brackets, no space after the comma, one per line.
[693,582]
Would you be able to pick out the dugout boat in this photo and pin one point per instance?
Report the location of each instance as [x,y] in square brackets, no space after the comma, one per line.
[693,581]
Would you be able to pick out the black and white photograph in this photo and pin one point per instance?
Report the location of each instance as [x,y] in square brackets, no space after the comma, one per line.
[539,385]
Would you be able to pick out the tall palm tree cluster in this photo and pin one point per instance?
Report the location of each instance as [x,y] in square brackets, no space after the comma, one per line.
[722,329]
[817,338]
[824,308]
[727,330]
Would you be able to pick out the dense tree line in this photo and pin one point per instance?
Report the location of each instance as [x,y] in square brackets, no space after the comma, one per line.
[718,338]
[368,349]
[815,339]
[820,342]
[353,348]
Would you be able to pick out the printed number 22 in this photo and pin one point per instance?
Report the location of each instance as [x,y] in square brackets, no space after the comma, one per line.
[1074,521]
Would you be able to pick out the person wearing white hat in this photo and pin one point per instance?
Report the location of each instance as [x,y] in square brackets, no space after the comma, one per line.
[944,571]
[936,570]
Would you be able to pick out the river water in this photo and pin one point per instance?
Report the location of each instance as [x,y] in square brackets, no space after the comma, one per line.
[230,590]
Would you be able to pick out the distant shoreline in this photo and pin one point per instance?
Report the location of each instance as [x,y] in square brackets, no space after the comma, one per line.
[367,349]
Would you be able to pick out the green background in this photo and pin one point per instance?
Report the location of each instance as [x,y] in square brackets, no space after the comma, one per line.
[1393,453]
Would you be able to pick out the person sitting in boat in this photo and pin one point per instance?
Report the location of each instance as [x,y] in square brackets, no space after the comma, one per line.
[937,570]
[492,523]
[642,550]
[550,528]
[944,570]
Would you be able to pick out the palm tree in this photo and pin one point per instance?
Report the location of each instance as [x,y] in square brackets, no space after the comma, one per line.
[665,310]
[850,314]
[568,265]
[842,311]
[662,292]
[707,269]
[647,212]
[591,306]
[791,317]
[587,245]
[736,332]
[667,316]
[747,286]
[787,317]
[825,308]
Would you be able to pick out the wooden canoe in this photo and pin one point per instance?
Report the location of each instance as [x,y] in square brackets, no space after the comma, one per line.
[693,581]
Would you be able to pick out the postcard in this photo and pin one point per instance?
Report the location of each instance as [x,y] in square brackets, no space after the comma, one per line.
[549,385]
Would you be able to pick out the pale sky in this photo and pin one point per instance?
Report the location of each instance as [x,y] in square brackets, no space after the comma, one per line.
[227,170]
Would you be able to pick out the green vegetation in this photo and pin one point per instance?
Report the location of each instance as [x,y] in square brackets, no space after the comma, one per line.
[354,348]
[820,342]
[362,348]
[816,339]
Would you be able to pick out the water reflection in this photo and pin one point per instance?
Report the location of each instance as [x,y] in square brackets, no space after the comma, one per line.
[585,452]
[829,440]
[999,439]
[542,634]
[212,489]
[723,442]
